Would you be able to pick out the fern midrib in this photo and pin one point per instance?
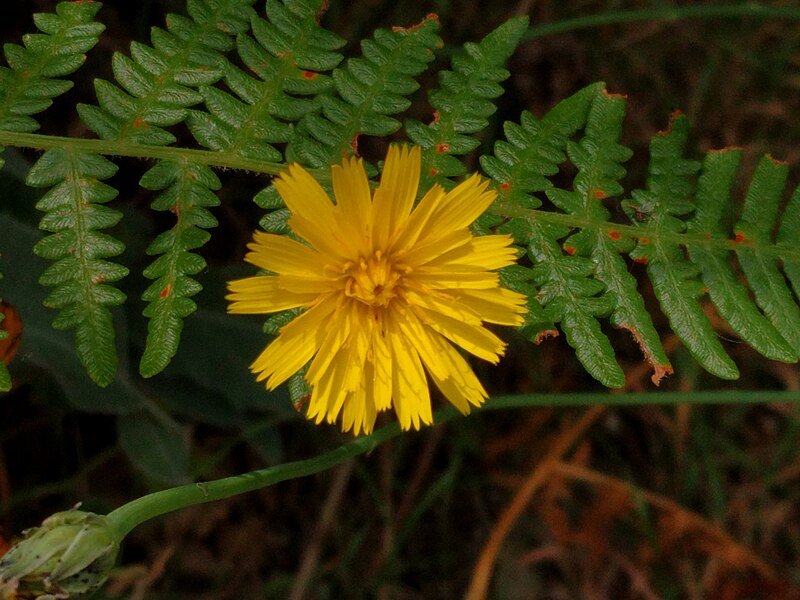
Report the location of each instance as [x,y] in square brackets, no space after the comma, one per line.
[352,129]
[506,209]
[81,231]
[114,147]
[175,62]
[272,90]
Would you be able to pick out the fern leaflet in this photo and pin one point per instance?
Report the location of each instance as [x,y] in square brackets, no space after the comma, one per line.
[463,103]
[80,275]
[28,86]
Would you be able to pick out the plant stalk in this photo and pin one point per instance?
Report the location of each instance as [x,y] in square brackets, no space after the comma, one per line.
[134,513]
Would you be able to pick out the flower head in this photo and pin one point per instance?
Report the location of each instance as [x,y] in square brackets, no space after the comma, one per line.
[386,289]
[69,555]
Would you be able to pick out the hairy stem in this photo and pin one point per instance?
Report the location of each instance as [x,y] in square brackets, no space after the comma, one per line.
[136,512]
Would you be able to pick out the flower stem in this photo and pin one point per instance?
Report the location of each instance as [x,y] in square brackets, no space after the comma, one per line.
[136,512]
[664,13]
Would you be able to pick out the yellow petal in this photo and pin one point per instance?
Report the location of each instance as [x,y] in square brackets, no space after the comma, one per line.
[412,402]
[475,339]
[463,204]
[489,252]
[280,254]
[353,201]
[302,194]
[263,295]
[294,346]
[396,193]
[500,306]
[382,369]
[417,225]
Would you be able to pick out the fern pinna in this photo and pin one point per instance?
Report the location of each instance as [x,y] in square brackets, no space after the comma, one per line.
[270,87]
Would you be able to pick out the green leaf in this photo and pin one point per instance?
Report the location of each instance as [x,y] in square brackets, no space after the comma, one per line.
[157,445]
[52,352]
[463,104]
[29,85]
[368,90]
[754,232]
[725,288]
[80,276]
[187,191]
[675,280]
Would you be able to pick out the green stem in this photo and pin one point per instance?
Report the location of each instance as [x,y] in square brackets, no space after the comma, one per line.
[134,513]
[664,13]
[122,148]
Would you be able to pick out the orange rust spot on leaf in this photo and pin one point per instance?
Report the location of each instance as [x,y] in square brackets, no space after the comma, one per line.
[776,161]
[429,17]
[569,250]
[300,403]
[675,114]
[505,186]
[354,144]
[12,324]
[442,148]
[434,172]
[642,260]
[543,335]
[608,94]
[598,193]
[98,279]
[644,241]
[436,116]
[614,235]
[309,74]
[140,122]
[166,291]
[739,237]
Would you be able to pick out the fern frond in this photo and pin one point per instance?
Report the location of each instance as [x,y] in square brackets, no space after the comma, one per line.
[80,274]
[753,233]
[158,82]
[28,86]
[727,292]
[588,280]
[187,191]
[668,199]
[463,103]
[369,89]
[288,54]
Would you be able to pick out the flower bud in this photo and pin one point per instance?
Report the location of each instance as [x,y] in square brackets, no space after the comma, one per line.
[69,555]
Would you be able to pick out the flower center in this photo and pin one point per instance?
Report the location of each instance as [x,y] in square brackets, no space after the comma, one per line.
[373,280]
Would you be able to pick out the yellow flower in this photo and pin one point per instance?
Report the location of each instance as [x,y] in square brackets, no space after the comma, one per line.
[386,289]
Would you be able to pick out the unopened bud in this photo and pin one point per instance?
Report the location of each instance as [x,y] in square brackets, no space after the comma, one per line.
[69,555]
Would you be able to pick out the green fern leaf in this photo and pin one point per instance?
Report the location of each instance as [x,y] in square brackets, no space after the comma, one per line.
[370,89]
[725,289]
[463,103]
[187,192]
[788,234]
[158,82]
[288,51]
[28,86]
[598,158]
[668,197]
[754,232]
[158,87]
[80,275]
